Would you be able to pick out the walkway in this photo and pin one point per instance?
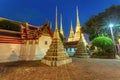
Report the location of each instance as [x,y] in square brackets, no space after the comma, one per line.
[80,69]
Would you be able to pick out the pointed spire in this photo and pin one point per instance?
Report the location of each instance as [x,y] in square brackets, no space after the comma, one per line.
[78,27]
[71,35]
[61,22]
[61,28]
[56,22]
[56,34]
[71,28]
[78,21]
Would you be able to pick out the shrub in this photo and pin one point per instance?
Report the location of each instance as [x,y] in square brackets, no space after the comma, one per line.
[104,43]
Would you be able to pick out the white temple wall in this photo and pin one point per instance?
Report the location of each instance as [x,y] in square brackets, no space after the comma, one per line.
[9,52]
[15,52]
[42,47]
[28,50]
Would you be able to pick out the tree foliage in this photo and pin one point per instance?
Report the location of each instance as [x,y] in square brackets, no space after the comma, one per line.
[98,25]
[103,43]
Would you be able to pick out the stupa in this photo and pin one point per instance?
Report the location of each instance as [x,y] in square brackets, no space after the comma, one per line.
[81,49]
[56,54]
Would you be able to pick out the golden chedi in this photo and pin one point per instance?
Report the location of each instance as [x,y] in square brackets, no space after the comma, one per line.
[56,54]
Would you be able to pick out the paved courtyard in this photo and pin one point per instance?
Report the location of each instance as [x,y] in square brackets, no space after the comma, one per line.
[79,69]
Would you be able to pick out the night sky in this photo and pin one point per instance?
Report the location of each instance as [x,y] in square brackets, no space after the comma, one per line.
[37,12]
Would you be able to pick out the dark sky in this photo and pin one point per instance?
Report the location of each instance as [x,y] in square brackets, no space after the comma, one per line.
[36,12]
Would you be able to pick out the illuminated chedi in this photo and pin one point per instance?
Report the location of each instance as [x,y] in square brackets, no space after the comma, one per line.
[56,54]
[73,40]
[71,35]
[79,36]
[78,27]
[77,31]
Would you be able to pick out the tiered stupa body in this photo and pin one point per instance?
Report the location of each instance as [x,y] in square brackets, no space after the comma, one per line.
[81,49]
[71,35]
[56,54]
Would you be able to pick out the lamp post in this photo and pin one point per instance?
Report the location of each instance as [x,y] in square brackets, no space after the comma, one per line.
[111,30]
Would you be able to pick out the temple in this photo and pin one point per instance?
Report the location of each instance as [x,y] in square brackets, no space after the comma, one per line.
[23,41]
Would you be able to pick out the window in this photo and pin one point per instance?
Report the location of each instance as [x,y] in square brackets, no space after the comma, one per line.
[45,42]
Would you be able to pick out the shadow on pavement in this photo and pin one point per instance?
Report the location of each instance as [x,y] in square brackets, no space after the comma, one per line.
[23,64]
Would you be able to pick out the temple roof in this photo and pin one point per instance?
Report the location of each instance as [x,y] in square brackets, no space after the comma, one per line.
[26,31]
[45,29]
[7,25]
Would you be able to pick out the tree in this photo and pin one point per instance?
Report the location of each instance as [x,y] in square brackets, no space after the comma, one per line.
[97,25]
[104,43]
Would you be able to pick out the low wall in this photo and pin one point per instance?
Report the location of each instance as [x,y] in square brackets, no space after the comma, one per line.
[9,52]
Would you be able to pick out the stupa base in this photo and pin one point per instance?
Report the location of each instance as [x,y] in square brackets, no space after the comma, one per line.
[56,63]
[82,55]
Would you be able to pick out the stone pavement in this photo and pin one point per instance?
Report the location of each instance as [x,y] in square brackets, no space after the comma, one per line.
[79,69]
